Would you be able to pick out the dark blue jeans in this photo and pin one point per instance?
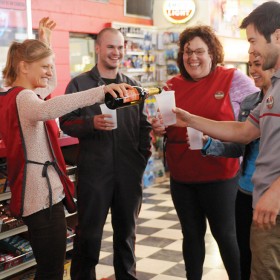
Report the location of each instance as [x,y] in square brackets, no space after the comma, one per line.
[216,202]
[48,241]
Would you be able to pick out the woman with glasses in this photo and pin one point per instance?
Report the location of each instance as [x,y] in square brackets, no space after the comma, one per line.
[204,188]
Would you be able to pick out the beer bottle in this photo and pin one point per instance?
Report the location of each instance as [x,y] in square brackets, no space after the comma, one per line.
[135,96]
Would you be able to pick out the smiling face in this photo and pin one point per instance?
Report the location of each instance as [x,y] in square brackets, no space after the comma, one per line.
[261,78]
[35,74]
[197,60]
[110,50]
[38,73]
[268,51]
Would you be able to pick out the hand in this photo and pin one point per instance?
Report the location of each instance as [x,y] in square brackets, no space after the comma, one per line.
[46,26]
[204,139]
[121,89]
[157,125]
[183,117]
[102,122]
[268,207]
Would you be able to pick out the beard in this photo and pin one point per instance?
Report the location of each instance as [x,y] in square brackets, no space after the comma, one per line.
[270,60]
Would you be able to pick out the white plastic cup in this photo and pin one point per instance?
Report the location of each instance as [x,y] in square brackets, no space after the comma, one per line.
[113,113]
[166,102]
[195,138]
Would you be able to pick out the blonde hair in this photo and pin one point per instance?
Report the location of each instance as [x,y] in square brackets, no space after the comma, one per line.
[29,51]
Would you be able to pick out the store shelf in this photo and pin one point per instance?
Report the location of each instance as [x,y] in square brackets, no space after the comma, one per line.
[12,232]
[134,53]
[135,70]
[69,215]
[16,269]
[23,228]
[69,247]
[5,196]
[134,35]
[3,151]
[67,140]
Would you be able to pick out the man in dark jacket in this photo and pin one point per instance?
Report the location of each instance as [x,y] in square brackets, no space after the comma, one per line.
[110,166]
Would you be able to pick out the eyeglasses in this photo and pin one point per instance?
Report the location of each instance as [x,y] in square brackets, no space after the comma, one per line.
[198,52]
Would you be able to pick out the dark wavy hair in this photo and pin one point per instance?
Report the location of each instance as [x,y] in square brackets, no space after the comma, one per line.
[265,18]
[208,36]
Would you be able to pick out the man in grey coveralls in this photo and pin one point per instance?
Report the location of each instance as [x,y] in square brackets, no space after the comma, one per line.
[110,166]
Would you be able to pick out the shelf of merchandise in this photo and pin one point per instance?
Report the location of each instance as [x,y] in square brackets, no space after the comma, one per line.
[16,269]
[140,52]
[134,70]
[134,35]
[134,53]
[5,196]
[63,141]
[22,229]
[12,232]
[2,149]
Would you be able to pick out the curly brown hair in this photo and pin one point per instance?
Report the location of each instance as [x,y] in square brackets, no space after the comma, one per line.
[208,36]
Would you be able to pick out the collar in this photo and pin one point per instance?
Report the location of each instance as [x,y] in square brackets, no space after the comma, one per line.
[260,96]
[275,77]
[94,73]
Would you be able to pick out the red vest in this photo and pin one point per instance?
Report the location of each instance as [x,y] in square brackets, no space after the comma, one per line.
[208,98]
[11,133]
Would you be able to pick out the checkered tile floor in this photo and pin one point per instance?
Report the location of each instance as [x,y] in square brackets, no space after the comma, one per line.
[159,242]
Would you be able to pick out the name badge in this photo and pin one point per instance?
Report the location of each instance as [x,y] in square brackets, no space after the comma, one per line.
[219,95]
[269,102]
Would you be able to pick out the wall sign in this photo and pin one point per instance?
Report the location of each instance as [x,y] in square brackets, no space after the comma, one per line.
[13,4]
[178,11]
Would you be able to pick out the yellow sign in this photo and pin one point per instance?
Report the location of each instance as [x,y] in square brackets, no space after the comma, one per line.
[178,11]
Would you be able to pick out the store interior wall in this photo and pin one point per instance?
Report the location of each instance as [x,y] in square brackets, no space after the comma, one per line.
[90,18]
[224,16]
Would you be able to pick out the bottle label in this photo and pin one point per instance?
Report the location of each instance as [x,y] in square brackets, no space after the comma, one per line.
[133,95]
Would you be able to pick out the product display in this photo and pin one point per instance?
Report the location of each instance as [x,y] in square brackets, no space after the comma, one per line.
[15,250]
[3,175]
[136,96]
[155,171]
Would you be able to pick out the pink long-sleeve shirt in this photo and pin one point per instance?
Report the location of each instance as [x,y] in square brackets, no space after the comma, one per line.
[33,111]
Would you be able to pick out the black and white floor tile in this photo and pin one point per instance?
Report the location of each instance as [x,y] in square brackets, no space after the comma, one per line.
[159,242]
